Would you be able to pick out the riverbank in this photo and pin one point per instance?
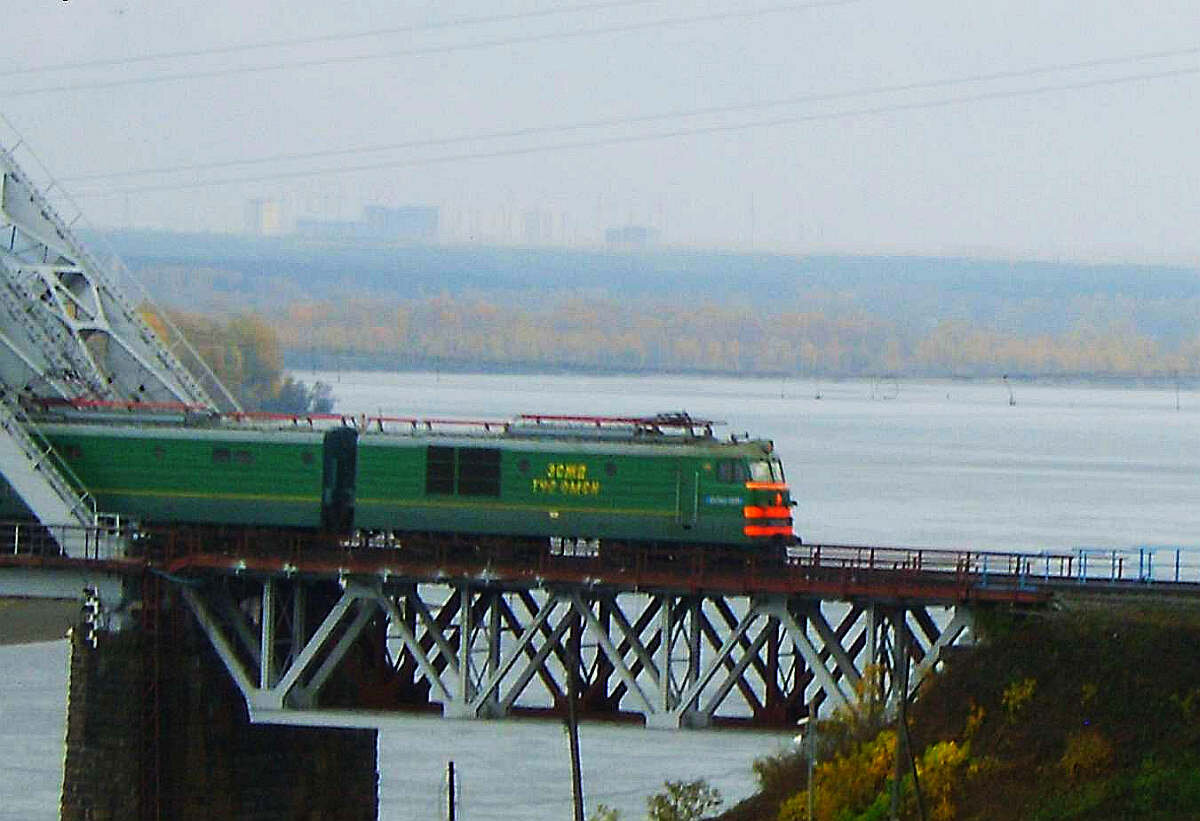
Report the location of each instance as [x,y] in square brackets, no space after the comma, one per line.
[1088,712]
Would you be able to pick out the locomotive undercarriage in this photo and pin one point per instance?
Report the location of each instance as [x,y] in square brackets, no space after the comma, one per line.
[425,545]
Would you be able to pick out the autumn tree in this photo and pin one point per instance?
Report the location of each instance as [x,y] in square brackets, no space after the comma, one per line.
[244,354]
[683,801]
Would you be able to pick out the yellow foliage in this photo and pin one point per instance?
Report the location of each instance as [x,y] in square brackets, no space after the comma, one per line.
[1017,696]
[1088,755]
[243,353]
[974,720]
[847,783]
[589,330]
[938,771]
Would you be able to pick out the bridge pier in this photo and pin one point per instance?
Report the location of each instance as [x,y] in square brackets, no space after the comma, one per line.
[156,730]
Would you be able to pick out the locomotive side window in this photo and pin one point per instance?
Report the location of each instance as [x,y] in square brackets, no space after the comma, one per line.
[462,471]
[439,470]
[479,471]
[730,470]
[223,456]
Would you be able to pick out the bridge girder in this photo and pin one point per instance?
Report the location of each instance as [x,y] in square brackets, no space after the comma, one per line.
[476,651]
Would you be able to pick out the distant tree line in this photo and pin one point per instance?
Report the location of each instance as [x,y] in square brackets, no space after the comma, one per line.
[689,335]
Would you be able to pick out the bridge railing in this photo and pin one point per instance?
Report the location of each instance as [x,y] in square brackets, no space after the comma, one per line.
[812,567]
[108,541]
[1166,564]
[828,567]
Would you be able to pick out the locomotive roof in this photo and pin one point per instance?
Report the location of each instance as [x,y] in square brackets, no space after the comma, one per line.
[669,431]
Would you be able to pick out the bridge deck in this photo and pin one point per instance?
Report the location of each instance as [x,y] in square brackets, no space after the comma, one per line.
[843,572]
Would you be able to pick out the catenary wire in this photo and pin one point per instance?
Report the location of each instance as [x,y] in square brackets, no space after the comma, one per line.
[678,114]
[681,132]
[423,51]
[327,38]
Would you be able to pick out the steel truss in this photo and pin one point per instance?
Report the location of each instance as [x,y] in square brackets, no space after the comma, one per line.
[68,329]
[483,651]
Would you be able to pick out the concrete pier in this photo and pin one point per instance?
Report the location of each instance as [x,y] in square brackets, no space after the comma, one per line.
[165,735]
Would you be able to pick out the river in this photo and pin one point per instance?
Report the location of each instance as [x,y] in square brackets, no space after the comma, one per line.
[938,464]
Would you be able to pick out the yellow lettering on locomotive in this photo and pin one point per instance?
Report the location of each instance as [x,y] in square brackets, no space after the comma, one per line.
[566,470]
[566,480]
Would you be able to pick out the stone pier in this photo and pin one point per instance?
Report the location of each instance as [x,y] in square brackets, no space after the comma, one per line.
[156,730]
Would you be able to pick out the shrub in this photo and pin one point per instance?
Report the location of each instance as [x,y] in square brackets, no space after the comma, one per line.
[1017,696]
[683,801]
[1088,755]
[848,784]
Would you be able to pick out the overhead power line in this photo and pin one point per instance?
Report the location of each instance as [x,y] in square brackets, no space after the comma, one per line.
[662,135]
[423,51]
[237,48]
[530,131]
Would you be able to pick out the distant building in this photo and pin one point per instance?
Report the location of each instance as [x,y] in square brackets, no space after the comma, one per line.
[264,218]
[531,227]
[408,223]
[631,236]
[333,230]
[411,223]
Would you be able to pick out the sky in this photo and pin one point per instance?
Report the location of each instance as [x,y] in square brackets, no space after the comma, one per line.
[1050,129]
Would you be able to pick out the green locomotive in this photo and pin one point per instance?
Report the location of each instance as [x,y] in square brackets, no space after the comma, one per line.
[570,479]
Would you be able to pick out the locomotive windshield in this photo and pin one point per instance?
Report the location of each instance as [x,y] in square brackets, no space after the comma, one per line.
[769,471]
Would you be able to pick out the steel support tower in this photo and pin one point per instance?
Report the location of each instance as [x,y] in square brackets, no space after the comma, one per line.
[69,329]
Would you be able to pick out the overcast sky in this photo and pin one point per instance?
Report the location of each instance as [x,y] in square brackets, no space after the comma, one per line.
[1099,161]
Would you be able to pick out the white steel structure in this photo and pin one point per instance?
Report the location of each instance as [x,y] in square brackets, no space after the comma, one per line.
[69,330]
[676,660]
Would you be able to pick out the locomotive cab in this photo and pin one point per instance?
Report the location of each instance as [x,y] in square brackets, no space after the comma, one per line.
[768,509]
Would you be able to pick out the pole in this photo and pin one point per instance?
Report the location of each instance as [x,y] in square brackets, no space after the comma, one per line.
[898,687]
[450,777]
[573,719]
[905,755]
[812,755]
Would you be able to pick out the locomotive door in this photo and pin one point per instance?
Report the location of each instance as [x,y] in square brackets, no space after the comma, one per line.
[687,495]
[338,475]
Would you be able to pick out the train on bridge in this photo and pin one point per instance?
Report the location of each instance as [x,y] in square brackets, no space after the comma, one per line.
[577,481]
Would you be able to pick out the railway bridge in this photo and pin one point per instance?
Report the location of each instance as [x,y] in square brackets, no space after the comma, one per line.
[329,631]
[471,629]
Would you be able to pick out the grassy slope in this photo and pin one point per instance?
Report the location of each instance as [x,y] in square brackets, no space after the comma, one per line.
[1110,728]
